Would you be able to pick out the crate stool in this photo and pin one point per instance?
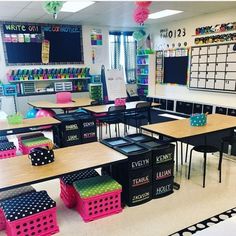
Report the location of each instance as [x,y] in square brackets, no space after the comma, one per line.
[7,150]
[4,139]
[98,197]
[9,194]
[68,193]
[22,137]
[29,144]
[37,216]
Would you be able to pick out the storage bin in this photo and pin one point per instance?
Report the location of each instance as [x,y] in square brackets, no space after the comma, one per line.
[113,142]
[161,152]
[138,138]
[27,136]
[98,197]
[163,171]
[38,215]
[162,188]
[138,156]
[68,193]
[137,196]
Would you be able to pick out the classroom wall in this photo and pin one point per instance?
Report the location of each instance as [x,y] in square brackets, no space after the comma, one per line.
[102,59]
[182,92]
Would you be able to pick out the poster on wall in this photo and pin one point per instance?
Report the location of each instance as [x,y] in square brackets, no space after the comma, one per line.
[115,84]
[96,37]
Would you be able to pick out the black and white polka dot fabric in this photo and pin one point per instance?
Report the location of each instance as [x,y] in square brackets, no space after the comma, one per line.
[41,156]
[5,195]
[7,146]
[71,178]
[27,205]
[3,139]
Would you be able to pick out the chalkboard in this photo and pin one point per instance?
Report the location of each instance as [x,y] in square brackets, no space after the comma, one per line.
[176,70]
[32,43]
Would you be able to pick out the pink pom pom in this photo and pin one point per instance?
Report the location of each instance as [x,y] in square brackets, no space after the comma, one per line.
[140,15]
[144,4]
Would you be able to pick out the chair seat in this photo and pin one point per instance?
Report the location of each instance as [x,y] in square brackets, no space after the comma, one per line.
[205,148]
[229,139]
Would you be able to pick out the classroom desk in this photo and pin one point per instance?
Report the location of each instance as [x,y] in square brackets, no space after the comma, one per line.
[18,171]
[104,108]
[181,129]
[76,102]
[28,125]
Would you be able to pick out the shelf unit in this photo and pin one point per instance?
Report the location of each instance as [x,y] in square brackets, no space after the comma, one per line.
[145,73]
[96,91]
[50,86]
[159,66]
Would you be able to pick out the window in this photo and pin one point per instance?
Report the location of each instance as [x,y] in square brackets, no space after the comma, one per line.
[122,47]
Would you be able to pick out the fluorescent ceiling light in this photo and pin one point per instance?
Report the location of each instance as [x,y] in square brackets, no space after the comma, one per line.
[164,13]
[75,6]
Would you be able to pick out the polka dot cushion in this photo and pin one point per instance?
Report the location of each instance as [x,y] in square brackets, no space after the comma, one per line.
[71,178]
[15,192]
[41,156]
[96,186]
[7,146]
[27,205]
[191,230]
[198,120]
[3,139]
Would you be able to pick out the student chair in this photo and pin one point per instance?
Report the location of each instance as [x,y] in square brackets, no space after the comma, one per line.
[141,112]
[205,149]
[114,116]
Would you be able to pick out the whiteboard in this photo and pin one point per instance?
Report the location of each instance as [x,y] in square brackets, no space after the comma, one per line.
[115,84]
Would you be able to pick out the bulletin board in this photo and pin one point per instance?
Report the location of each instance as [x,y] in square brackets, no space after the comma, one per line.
[213,68]
[33,43]
[115,84]
[176,70]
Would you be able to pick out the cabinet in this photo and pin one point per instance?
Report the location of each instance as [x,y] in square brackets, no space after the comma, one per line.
[145,74]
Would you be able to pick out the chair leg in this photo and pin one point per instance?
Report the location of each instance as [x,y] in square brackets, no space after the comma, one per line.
[106,128]
[101,130]
[181,153]
[118,130]
[220,165]
[204,169]
[190,162]
[186,155]
[221,154]
[109,130]
[177,156]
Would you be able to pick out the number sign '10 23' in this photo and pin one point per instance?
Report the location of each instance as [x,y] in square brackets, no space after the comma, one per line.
[177,33]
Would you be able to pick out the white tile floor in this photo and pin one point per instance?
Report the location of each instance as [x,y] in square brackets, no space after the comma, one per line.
[159,217]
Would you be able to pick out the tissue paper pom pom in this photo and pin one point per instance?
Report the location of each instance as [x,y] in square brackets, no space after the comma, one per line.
[144,4]
[140,15]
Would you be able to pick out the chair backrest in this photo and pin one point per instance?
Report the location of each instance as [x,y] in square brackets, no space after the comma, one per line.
[116,109]
[95,103]
[63,97]
[144,105]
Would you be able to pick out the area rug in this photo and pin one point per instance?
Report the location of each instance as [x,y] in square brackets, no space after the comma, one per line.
[190,230]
